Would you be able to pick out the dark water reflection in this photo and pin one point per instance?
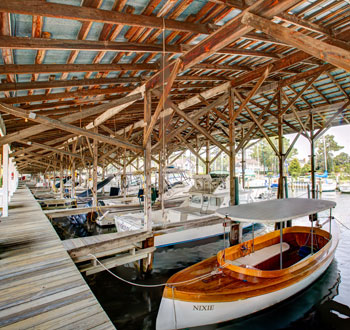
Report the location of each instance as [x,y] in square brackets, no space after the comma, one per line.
[323,305]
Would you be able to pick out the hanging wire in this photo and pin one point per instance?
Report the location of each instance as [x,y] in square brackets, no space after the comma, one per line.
[162,121]
[187,282]
[340,222]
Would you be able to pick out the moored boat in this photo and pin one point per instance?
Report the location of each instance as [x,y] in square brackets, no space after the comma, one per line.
[328,185]
[254,275]
[344,188]
[205,197]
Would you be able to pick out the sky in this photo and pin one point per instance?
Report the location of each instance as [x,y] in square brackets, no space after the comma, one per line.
[341,135]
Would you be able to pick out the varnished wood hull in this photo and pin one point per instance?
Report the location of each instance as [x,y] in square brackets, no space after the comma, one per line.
[189,309]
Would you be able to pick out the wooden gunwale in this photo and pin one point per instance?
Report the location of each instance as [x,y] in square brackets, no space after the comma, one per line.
[262,242]
[232,286]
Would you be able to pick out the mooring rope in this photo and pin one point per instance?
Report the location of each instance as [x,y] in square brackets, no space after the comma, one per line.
[341,223]
[193,280]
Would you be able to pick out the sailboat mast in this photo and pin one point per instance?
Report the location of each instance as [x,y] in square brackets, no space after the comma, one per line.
[325,154]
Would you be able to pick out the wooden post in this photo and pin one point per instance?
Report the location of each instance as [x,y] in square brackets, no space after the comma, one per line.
[94,173]
[196,156]
[243,168]
[161,182]
[147,163]
[124,182]
[312,160]
[80,177]
[73,179]
[314,192]
[207,158]
[89,175]
[147,263]
[61,177]
[73,171]
[232,155]
[281,157]
[5,179]
[103,176]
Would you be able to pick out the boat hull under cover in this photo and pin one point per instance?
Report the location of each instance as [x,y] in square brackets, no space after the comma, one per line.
[203,309]
[178,314]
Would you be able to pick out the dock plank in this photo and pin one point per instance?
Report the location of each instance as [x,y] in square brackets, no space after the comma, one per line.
[40,286]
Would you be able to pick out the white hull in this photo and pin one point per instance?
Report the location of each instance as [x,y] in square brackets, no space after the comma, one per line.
[189,235]
[328,187]
[344,189]
[178,237]
[175,314]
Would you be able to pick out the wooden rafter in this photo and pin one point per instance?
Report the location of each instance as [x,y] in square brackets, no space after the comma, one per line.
[323,50]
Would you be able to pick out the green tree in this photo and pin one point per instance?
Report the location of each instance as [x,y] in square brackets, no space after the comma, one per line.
[263,153]
[325,148]
[306,169]
[342,159]
[294,168]
[341,163]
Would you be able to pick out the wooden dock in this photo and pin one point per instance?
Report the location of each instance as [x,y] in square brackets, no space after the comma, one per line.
[57,213]
[116,249]
[40,286]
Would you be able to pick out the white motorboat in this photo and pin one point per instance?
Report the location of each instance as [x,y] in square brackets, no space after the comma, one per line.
[205,197]
[259,188]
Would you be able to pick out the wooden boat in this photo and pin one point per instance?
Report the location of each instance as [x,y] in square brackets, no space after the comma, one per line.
[254,275]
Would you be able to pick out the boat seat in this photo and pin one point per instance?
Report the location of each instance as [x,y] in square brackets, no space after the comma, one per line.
[259,256]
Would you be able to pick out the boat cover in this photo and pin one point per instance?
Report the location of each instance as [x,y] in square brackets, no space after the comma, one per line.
[276,210]
[100,185]
[57,185]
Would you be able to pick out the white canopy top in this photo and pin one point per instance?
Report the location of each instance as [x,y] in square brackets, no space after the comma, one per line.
[276,210]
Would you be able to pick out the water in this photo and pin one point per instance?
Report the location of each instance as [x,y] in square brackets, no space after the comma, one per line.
[323,305]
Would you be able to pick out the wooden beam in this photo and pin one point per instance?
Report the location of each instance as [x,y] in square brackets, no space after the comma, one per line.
[252,115]
[64,95]
[162,100]
[251,93]
[19,135]
[325,51]
[299,94]
[5,29]
[224,36]
[46,147]
[329,121]
[196,116]
[232,30]
[8,42]
[59,68]
[189,146]
[66,83]
[248,136]
[241,80]
[228,33]
[212,66]
[147,162]
[87,14]
[84,45]
[293,19]
[50,143]
[198,127]
[53,123]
